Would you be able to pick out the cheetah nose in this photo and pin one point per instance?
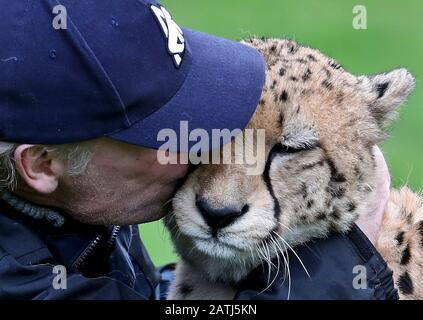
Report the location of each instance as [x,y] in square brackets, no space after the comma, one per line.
[219,218]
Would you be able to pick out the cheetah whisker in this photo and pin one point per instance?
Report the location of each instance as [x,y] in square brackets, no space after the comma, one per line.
[166,203]
[285,226]
[269,284]
[289,270]
[295,253]
[282,251]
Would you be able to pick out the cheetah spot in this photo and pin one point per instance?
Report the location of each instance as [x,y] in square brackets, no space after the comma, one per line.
[405,285]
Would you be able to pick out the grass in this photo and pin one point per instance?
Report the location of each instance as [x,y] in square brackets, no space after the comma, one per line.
[393,38]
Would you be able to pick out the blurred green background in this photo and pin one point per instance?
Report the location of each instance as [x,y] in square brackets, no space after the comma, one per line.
[393,38]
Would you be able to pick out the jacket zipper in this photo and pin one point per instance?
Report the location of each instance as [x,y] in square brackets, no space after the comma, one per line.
[112,240]
[93,245]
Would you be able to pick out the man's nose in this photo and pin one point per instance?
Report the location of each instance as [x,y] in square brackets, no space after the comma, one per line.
[219,218]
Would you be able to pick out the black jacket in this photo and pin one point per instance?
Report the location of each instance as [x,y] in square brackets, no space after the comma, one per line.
[111,263]
[340,267]
[101,262]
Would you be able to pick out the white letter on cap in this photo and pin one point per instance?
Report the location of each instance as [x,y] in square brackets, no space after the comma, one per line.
[172,32]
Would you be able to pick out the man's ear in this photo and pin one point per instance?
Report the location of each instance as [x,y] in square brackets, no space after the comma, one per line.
[38,168]
[386,92]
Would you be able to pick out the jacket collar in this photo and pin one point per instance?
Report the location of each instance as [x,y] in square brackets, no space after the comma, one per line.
[31,210]
[26,229]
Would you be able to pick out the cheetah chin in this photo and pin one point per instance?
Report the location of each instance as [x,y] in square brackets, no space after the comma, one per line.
[321,125]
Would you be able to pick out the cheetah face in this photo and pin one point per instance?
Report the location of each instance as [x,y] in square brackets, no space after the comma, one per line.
[321,124]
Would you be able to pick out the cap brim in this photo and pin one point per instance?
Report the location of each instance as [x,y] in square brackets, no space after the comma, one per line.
[221,91]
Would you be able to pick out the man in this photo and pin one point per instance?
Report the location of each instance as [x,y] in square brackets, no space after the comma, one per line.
[85,88]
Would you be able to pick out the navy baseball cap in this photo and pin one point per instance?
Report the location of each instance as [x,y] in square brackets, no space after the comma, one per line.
[73,70]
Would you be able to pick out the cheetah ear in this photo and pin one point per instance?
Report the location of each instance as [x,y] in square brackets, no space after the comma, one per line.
[386,92]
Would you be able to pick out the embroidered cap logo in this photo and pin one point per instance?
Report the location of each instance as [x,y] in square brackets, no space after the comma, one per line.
[172,32]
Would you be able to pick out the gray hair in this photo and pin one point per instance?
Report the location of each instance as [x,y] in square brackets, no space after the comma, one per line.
[75,155]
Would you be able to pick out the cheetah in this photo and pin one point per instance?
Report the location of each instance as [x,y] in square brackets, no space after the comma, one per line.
[321,123]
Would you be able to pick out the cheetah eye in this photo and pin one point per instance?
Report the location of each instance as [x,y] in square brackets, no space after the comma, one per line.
[281,149]
[289,149]
[286,149]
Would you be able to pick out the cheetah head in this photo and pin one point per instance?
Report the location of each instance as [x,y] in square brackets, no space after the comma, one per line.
[321,124]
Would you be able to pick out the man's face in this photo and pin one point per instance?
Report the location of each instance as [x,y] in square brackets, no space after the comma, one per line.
[123,184]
